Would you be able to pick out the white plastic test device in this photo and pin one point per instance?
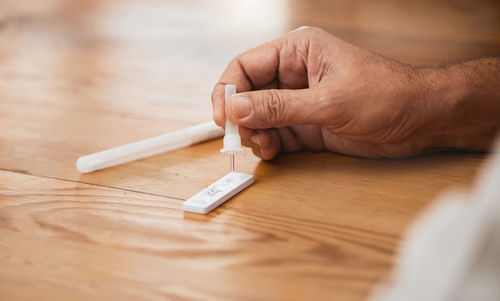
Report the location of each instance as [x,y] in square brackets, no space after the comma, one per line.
[229,185]
[216,194]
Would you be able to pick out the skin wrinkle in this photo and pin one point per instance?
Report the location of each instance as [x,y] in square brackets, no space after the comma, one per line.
[238,60]
[280,74]
[390,133]
[310,50]
[317,70]
[276,108]
[289,81]
[280,137]
[278,51]
[402,129]
[296,138]
[321,69]
[304,59]
[323,145]
[324,103]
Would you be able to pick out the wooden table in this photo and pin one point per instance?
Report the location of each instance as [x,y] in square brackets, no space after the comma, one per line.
[81,76]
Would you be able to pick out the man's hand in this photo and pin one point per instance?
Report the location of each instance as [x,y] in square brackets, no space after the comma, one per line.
[311,90]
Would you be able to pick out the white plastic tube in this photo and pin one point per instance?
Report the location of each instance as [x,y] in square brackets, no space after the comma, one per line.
[232,139]
[149,147]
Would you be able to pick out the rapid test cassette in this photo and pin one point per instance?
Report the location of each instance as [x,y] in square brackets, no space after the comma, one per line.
[216,194]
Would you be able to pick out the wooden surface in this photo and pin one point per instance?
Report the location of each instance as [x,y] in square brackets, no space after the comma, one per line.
[84,75]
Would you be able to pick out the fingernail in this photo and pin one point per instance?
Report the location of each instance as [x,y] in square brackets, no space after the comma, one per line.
[241,107]
[255,139]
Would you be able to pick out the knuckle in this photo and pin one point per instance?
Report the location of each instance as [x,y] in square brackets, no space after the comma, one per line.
[313,29]
[309,29]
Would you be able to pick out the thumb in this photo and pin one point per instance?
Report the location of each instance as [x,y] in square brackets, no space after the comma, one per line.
[273,108]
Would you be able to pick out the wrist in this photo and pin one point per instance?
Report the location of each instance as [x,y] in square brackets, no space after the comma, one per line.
[448,97]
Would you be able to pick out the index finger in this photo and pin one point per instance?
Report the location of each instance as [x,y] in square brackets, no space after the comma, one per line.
[252,70]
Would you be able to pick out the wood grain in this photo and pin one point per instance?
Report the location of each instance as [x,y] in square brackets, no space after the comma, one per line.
[81,76]
[64,239]
[303,230]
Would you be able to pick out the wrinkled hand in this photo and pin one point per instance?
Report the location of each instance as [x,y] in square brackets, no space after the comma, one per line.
[311,90]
